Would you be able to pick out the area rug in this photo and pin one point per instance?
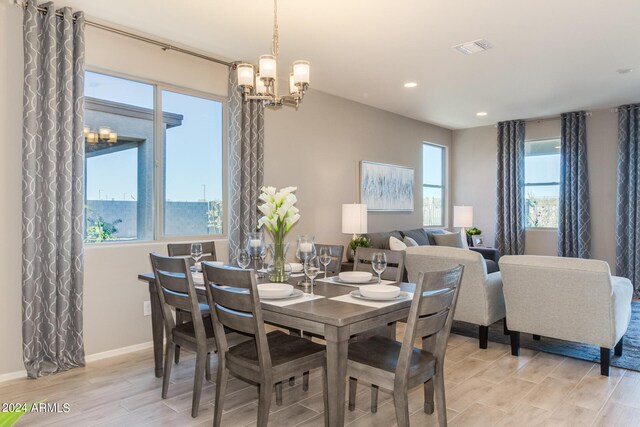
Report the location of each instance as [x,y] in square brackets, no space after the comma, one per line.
[630,358]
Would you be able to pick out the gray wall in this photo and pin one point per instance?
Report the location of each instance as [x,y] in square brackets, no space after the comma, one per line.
[318,149]
[473,166]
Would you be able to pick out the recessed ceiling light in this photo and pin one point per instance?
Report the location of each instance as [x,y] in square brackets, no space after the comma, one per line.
[481,113]
[410,84]
[624,70]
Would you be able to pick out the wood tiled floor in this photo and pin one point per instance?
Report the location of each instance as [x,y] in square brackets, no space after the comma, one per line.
[484,388]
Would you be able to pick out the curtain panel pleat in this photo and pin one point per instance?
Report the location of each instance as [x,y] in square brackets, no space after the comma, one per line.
[510,188]
[52,183]
[246,164]
[574,227]
[628,197]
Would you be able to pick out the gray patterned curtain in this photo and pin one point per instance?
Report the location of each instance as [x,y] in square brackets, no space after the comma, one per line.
[52,190]
[246,163]
[574,228]
[628,206]
[510,188]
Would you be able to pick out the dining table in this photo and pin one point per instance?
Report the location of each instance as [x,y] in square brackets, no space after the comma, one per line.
[332,314]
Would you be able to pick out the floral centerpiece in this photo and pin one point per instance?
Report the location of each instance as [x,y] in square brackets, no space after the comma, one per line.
[280,214]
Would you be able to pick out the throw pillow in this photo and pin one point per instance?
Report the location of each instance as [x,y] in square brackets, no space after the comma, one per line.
[396,244]
[453,240]
[409,241]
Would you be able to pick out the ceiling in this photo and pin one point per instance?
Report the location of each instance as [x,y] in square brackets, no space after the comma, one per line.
[549,56]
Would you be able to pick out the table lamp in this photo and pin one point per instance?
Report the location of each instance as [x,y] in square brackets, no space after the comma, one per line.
[354,219]
[463,218]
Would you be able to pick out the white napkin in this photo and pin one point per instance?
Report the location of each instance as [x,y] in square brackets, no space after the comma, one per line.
[284,302]
[377,304]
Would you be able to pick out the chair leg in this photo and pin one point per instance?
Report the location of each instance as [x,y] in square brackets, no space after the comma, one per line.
[484,336]
[605,361]
[207,368]
[353,388]
[179,321]
[201,361]
[428,397]
[618,349]
[536,337]
[402,407]
[167,368]
[279,393]
[305,381]
[264,403]
[505,328]
[515,343]
[441,401]
[221,387]
[374,398]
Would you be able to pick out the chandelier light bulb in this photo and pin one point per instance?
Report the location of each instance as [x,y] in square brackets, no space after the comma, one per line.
[261,89]
[301,71]
[245,75]
[113,137]
[293,89]
[92,137]
[268,67]
[104,132]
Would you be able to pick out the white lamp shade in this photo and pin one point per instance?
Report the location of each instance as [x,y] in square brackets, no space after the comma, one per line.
[245,75]
[463,216]
[261,89]
[354,218]
[268,67]
[301,70]
[293,89]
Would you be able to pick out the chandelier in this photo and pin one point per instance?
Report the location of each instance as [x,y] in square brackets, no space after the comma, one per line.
[263,85]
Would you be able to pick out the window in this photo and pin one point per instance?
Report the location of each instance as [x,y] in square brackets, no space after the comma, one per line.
[433,170]
[542,183]
[124,142]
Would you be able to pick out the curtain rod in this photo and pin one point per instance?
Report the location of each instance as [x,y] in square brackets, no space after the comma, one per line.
[162,45]
[547,119]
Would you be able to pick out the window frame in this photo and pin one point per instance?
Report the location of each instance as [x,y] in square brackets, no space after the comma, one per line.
[442,187]
[539,184]
[158,167]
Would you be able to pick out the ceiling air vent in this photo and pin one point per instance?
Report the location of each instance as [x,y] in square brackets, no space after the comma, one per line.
[469,48]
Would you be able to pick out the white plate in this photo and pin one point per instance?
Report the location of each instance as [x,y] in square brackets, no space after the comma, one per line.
[373,281]
[379,291]
[274,290]
[355,276]
[297,293]
[356,294]
[296,267]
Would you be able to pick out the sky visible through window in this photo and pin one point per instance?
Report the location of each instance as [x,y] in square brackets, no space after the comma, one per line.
[194,149]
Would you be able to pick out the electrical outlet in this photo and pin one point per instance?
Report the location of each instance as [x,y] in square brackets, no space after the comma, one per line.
[146,308]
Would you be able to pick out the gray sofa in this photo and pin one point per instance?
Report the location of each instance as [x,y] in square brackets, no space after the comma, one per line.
[424,237]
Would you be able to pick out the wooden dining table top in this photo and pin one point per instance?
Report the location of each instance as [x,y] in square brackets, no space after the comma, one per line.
[324,310]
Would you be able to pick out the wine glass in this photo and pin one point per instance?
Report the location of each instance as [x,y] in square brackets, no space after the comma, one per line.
[311,269]
[263,255]
[242,257]
[325,258]
[196,253]
[379,263]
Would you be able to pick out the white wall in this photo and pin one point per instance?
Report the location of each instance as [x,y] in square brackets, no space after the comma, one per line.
[316,148]
[473,165]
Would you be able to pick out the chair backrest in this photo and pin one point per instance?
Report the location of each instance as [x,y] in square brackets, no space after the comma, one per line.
[575,293]
[184,250]
[176,289]
[337,252]
[430,316]
[234,302]
[395,262]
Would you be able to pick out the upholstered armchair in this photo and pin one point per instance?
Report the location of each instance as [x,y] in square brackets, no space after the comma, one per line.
[481,301]
[566,298]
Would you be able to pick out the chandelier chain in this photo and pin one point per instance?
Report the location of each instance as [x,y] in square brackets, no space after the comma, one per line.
[275,47]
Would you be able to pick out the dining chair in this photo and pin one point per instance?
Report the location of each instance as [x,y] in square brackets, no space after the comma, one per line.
[398,367]
[395,263]
[336,252]
[184,250]
[268,358]
[176,290]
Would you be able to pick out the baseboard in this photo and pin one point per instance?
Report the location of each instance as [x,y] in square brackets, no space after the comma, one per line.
[88,359]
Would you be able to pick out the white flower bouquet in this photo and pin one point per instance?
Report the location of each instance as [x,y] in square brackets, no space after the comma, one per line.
[279,215]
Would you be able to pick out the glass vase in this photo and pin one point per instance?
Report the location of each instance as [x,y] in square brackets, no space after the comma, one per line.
[278,271]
